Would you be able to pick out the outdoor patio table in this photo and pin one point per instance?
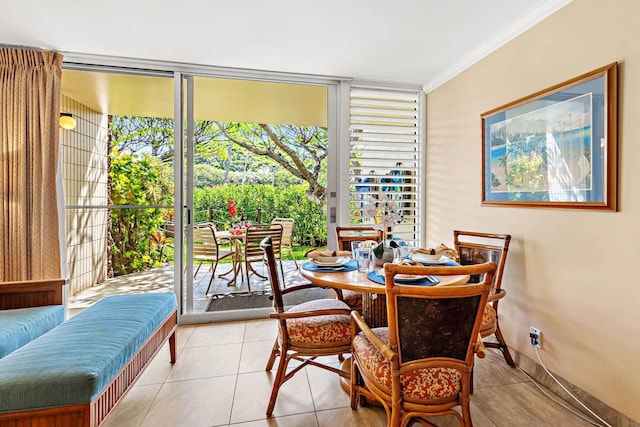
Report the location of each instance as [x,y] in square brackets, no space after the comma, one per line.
[237,240]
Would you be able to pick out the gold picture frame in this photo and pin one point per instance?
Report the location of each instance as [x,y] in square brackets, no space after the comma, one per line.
[556,148]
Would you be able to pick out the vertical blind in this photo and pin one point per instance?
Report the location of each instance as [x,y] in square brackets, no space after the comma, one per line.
[385,160]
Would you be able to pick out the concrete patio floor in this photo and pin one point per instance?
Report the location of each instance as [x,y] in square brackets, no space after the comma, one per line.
[161,280]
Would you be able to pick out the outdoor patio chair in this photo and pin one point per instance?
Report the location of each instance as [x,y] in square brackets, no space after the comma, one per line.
[287,233]
[253,253]
[207,249]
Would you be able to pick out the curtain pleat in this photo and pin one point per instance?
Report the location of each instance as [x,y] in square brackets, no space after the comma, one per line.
[30,83]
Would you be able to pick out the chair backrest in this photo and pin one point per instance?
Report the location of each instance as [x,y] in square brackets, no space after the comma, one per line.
[255,233]
[476,247]
[349,234]
[287,229]
[427,322]
[204,242]
[266,245]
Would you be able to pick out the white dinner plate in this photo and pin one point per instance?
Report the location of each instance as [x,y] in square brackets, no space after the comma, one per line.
[338,263]
[418,257]
[408,277]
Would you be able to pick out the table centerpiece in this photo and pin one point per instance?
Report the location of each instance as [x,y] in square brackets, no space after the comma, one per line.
[384,213]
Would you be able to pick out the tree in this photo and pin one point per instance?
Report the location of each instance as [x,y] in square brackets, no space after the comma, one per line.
[300,150]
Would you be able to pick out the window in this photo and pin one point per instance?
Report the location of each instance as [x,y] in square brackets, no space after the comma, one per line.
[385,159]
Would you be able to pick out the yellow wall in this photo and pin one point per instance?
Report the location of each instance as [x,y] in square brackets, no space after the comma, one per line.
[570,273]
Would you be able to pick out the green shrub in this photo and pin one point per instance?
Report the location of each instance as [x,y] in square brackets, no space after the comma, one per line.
[136,181]
[289,201]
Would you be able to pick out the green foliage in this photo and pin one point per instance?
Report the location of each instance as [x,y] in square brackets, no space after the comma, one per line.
[206,176]
[289,201]
[136,180]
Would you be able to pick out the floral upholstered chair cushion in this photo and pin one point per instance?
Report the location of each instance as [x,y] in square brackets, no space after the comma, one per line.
[420,384]
[333,329]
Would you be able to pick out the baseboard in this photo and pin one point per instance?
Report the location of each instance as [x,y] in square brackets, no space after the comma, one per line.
[604,411]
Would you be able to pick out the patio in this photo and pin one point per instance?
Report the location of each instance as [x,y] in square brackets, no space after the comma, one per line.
[161,280]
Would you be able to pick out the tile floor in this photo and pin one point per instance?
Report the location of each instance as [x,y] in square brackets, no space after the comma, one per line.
[219,380]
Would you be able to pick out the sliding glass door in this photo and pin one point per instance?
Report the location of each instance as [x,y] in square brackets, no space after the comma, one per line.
[246,146]
[202,146]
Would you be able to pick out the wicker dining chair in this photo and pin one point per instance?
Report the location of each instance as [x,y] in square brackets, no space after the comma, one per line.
[345,236]
[476,247]
[420,365]
[356,233]
[306,331]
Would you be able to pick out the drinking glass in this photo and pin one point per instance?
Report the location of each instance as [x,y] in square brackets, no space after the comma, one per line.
[362,255]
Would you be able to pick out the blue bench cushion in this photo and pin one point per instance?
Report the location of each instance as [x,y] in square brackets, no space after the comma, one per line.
[22,325]
[72,363]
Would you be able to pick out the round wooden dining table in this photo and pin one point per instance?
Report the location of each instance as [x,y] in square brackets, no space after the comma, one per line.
[374,309]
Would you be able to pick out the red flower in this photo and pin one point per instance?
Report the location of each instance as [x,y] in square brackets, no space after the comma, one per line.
[232,208]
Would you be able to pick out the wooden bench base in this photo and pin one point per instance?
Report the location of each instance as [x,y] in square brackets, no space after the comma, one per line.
[94,413]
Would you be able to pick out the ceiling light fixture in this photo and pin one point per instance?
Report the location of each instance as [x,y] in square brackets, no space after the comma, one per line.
[67,121]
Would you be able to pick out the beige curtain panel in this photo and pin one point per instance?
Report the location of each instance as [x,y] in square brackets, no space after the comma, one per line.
[29,114]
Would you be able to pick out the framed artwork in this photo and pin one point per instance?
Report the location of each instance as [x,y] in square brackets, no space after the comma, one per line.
[556,148]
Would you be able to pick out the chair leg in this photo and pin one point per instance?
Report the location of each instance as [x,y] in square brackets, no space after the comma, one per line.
[354,385]
[284,282]
[293,256]
[471,381]
[277,381]
[502,346]
[275,352]
[197,269]
[213,274]
[466,412]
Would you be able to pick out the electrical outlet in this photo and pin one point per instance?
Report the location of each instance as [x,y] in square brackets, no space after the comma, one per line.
[534,336]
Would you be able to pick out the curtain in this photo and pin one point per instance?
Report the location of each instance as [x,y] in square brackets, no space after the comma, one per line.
[29,114]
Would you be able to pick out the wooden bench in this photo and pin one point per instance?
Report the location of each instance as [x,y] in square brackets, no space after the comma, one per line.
[75,374]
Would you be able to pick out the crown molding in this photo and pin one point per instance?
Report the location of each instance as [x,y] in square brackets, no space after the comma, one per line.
[509,33]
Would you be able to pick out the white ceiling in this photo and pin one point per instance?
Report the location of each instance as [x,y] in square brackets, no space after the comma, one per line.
[422,42]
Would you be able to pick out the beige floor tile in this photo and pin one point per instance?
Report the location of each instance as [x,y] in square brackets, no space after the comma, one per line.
[159,367]
[134,407]
[216,333]
[477,416]
[302,420]
[255,355]
[254,389]
[493,370]
[325,389]
[520,405]
[183,333]
[259,330]
[196,403]
[346,417]
[204,362]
